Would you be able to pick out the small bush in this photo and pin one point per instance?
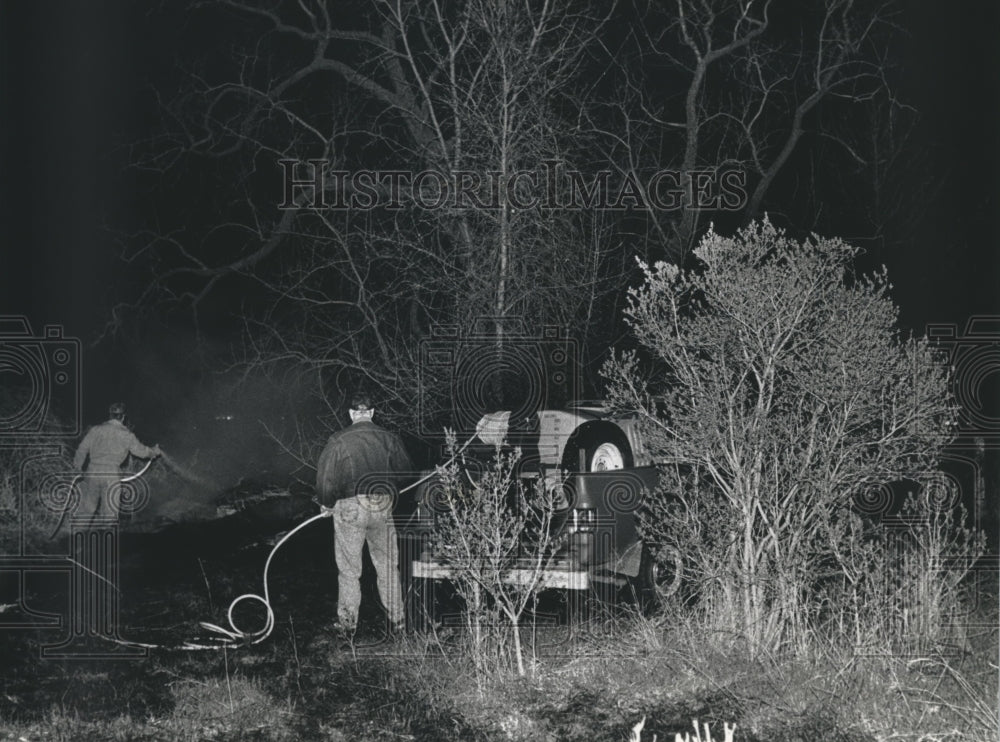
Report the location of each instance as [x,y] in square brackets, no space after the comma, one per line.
[485,530]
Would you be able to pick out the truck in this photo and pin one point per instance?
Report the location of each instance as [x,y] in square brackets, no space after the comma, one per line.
[598,460]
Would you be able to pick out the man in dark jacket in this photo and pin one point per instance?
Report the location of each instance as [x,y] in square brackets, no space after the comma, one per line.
[104,449]
[357,476]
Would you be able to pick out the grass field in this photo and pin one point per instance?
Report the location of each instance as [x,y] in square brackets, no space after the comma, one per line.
[595,679]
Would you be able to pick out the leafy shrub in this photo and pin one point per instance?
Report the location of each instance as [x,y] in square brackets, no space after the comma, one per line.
[778,388]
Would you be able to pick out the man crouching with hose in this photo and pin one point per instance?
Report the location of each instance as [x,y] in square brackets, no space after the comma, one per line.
[355,478]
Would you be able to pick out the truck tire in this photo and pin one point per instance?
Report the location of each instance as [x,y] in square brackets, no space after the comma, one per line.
[657,579]
[597,448]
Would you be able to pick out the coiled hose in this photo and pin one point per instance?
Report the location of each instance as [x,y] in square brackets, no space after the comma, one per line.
[234,636]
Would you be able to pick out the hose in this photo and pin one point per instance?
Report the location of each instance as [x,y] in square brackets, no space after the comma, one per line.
[233,636]
[186,473]
[72,486]
[62,513]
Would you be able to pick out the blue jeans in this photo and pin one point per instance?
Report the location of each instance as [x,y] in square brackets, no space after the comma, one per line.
[359,520]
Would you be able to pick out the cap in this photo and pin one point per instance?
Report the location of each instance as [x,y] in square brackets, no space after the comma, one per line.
[117,409]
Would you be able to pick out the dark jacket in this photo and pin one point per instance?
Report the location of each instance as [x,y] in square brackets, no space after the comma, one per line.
[360,459]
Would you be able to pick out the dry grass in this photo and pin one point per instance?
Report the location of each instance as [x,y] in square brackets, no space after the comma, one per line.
[669,670]
[204,710]
[665,669]
[226,707]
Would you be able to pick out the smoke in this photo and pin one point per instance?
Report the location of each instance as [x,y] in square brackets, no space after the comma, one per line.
[218,420]
[187,474]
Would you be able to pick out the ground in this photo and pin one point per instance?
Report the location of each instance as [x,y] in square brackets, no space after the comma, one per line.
[591,680]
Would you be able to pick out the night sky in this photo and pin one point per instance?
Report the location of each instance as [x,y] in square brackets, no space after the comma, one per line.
[72,93]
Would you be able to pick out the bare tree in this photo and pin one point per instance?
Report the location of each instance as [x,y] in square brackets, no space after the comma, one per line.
[473,93]
[484,97]
[746,81]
